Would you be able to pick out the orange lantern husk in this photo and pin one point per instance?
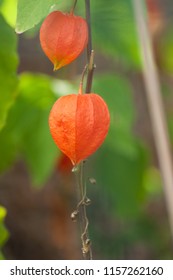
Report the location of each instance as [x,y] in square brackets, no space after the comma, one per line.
[79,124]
[63,37]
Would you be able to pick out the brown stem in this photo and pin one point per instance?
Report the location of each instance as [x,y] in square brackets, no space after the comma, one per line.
[79,171]
[90,52]
[73,8]
[82,78]
[88,19]
[81,208]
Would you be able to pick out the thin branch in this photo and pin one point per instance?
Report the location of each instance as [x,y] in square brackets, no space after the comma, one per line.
[90,52]
[156,108]
[81,207]
[79,170]
[73,7]
[82,79]
[88,19]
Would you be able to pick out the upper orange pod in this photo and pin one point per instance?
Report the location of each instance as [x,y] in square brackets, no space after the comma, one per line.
[63,37]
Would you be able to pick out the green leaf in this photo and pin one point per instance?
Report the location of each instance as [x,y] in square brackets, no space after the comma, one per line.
[8,67]
[30,127]
[30,13]
[27,134]
[39,149]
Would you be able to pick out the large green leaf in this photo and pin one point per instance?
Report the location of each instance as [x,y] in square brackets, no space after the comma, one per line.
[30,13]
[8,66]
[27,133]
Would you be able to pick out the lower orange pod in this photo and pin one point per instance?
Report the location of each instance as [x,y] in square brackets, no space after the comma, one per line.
[79,124]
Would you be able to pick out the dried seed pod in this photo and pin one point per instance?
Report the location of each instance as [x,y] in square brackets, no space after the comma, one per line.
[86,246]
[87,201]
[63,37]
[92,180]
[74,215]
[79,124]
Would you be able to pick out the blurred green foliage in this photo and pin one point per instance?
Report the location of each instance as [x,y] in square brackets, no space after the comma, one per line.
[114,30]
[121,166]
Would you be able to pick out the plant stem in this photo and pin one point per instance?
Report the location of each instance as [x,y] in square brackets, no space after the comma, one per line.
[90,52]
[74,5]
[88,19]
[82,79]
[156,108]
[81,208]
